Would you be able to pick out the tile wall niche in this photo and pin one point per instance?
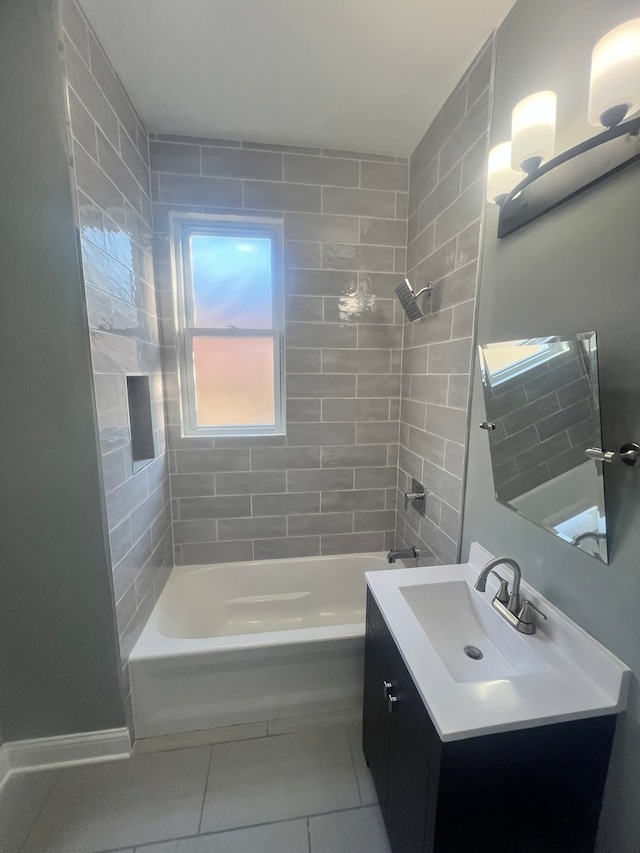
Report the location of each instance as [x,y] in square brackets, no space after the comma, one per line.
[111,174]
[447,172]
[329,485]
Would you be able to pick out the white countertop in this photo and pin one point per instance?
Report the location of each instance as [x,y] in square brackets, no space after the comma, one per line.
[581,678]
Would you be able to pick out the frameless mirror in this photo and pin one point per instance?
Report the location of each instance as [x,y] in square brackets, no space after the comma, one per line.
[541,398]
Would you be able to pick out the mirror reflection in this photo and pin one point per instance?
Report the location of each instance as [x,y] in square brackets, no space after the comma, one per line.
[541,397]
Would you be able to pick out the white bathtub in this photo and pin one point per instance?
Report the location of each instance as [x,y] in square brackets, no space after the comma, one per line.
[252,642]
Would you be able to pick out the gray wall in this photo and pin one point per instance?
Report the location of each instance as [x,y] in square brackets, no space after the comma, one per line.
[329,485]
[574,270]
[445,203]
[111,171]
[58,649]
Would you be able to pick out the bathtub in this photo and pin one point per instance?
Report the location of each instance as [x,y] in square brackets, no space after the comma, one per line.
[255,642]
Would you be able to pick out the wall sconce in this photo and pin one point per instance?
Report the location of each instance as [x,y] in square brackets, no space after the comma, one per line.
[614,94]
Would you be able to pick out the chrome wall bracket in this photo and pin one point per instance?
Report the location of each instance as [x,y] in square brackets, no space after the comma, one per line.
[629,454]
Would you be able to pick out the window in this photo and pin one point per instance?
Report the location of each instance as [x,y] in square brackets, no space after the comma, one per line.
[228,277]
[508,359]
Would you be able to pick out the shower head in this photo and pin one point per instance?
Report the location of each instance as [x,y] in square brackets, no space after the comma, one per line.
[408,298]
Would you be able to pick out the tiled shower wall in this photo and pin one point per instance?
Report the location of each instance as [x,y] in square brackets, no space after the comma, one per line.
[329,485]
[445,203]
[111,172]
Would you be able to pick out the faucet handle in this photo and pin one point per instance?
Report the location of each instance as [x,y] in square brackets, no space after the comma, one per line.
[502,595]
[525,612]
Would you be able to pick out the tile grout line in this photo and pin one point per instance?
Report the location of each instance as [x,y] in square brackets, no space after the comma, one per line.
[206,785]
[47,798]
[355,772]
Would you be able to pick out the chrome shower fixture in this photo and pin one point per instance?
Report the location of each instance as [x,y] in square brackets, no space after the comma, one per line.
[408,298]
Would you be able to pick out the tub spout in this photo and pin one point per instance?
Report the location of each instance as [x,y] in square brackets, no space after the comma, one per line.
[403,554]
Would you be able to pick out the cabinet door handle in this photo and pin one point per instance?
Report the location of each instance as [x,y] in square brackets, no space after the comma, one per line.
[392,703]
[386,687]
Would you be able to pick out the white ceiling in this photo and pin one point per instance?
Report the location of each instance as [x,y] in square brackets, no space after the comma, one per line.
[363,75]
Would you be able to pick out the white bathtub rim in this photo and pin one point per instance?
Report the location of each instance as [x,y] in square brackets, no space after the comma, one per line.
[153,644]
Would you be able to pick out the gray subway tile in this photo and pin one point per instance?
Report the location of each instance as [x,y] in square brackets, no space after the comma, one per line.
[448,423]
[379,432]
[321,385]
[108,81]
[320,523]
[262,195]
[383,385]
[321,170]
[304,309]
[320,282]
[342,256]
[358,155]
[178,157]
[192,189]
[450,356]
[297,546]
[323,227]
[564,419]
[384,176]
[358,456]
[479,76]
[207,461]
[516,419]
[82,124]
[463,316]
[473,126]
[301,254]
[454,458]
[195,140]
[216,552]
[420,247]
[285,457]
[254,482]
[285,149]
[295,504]
[304,411]
[381,519]
[468,244]
[447,487]
[349,501]
[320,479]
[376,478]
[429,389]
[379,336]
[542,452]
[332,335]
[364,409]
[474,162]
[126,497]
[303,361]
[199,530]
[355,361]
[356,309]
[241,163]
[445,192]
[251,528]
[382,232]
[112,164]
[464,210]
[458,286]
[86,88]
[229,506]
[427,445]
[120,541]
[321,433]
[352,543]
[358,202]
[75,25]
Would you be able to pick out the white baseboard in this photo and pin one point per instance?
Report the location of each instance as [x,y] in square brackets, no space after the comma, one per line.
[21,756]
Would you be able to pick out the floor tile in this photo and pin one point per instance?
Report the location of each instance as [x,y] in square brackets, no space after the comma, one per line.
[368,795]
[346,832]
[286,837]
[279,777]
[21,799]
[116,804]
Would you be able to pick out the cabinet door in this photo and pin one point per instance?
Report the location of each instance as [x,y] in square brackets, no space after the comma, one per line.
[376,719]
[409,786]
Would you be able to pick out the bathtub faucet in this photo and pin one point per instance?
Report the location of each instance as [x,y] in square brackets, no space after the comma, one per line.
[403,554]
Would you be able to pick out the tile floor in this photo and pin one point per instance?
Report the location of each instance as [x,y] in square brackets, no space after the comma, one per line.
[302,792]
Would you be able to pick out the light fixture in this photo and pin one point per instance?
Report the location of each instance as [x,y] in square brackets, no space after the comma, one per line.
[533,131]
[500,176]
[614,94]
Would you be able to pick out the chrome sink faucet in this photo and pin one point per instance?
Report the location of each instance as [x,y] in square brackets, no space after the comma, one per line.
[508,604]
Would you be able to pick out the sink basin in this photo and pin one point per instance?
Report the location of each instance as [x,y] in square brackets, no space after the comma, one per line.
[558,674]
[455,616]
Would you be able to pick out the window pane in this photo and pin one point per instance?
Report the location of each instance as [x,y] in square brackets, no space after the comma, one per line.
[231,281]
[234,381]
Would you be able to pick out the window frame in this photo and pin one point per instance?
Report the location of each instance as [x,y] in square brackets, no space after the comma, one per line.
[182,227]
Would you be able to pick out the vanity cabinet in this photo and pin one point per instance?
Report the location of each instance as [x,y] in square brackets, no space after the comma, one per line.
[534,790]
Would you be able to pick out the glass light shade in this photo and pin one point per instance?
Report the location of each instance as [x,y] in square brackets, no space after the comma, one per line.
[615,75]
[533,130]
[501,178]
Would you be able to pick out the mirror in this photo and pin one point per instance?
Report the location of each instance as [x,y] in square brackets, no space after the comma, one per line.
[541,395]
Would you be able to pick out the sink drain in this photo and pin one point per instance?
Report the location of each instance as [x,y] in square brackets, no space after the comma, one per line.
[473,652]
